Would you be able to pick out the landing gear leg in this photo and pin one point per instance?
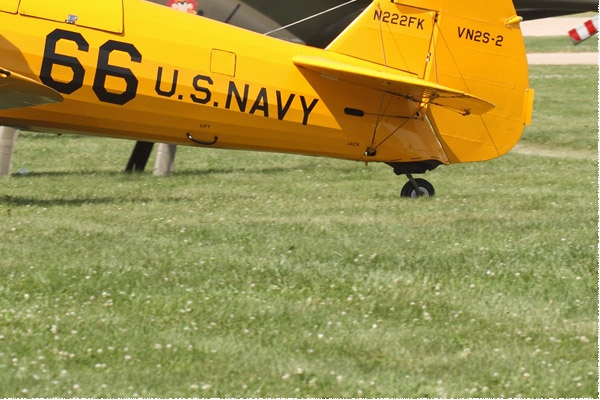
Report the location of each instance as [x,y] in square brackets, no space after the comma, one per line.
[417,187]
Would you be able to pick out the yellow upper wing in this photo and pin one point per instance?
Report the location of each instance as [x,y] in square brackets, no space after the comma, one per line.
[18,91]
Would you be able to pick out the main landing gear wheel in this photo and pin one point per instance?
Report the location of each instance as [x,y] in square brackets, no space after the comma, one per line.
[417,188]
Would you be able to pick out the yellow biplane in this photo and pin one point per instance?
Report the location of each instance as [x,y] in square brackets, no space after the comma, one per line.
[411,83]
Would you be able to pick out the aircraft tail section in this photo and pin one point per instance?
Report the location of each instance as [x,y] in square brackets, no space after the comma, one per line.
[465,46]
[411,88]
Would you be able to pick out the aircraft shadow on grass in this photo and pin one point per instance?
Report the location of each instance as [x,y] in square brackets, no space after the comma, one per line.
[253,170]
[19,201]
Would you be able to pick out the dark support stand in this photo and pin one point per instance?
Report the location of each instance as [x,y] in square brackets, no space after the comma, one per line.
[139,157]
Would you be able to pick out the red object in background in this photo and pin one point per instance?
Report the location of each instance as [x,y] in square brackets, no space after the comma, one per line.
[188,6]
[584,31]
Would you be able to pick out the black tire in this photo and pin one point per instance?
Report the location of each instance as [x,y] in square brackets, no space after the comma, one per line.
[426,189]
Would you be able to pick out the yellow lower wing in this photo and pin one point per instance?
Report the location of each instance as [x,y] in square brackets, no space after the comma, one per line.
[411,88]
[18,91]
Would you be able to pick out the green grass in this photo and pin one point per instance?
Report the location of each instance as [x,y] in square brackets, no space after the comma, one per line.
[561,44]
[566,115]
[266,275]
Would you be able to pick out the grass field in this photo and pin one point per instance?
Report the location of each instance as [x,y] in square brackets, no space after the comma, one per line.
[561,44]
[255,275]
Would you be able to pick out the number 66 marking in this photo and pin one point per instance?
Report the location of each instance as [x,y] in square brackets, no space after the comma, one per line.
[103,68]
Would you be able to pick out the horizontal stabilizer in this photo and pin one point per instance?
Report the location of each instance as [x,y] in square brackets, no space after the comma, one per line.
[411,88]
[18,91]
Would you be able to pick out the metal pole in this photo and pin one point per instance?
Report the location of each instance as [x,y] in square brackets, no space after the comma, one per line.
[8,139]
[165,158]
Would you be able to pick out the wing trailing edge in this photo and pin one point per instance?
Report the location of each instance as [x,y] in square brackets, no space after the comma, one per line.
[17,91]
[413,89]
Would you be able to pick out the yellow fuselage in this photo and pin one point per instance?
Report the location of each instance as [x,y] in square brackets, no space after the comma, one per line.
[164,76]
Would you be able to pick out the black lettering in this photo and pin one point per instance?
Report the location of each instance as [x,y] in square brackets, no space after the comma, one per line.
[201,89]
[51,58]
[398,19]
[479,36]
[241,101]
[282,109]
[261,103]
[159,77]
[307,109]
[104,69]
